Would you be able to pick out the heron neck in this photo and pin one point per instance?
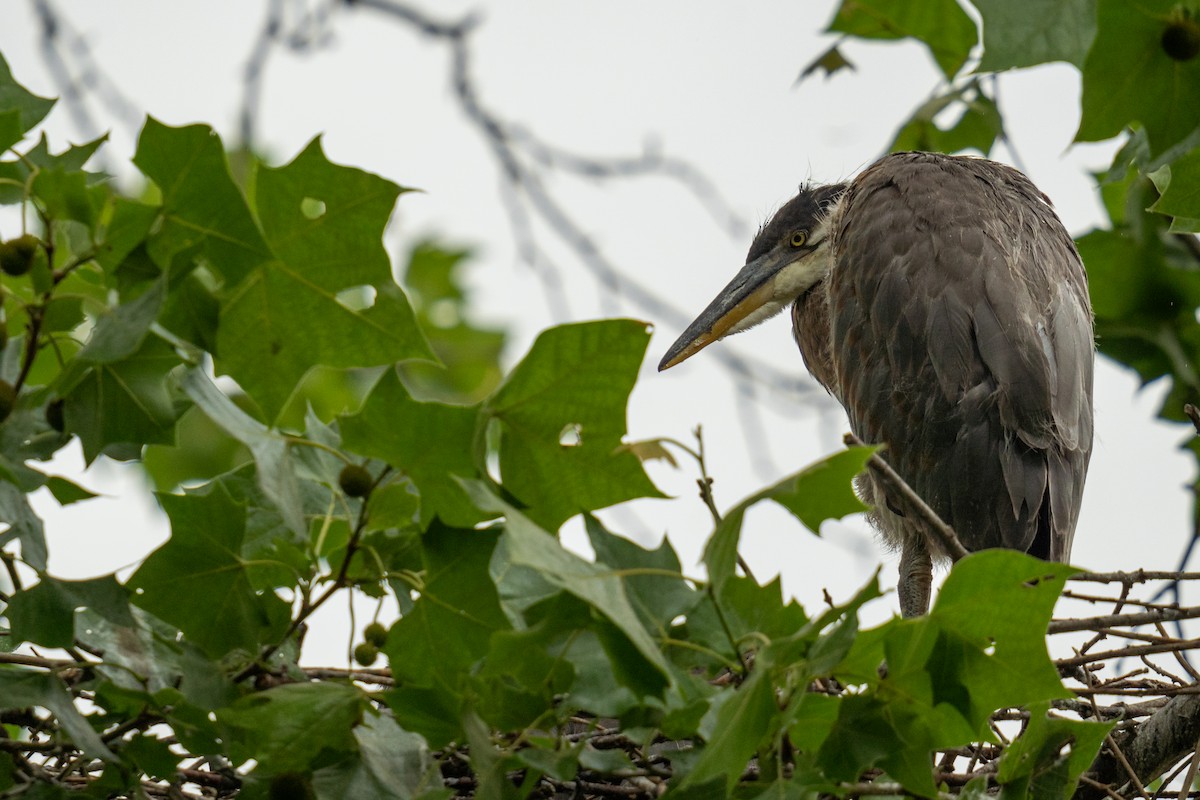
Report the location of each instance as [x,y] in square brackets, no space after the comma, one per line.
[810,327]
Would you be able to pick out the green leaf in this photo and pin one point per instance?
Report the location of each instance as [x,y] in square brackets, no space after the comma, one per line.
[981,648]
[201,205]
[119,333]
[1035,32]
[873,732]
[737,724]
[272,456]
[67,492]
[821,491]
[527,545]
[825,643]
[40,157]
[754,613]
[432,712]
[128,224]
[325,220]
[1120,279]
[530,670]
[659,592]
[288,728]
[1128,77]
[1049,756]
[1181,197]
[392,505]
[447,630]
[20,688]
[10,129]
[810,719]
[941,25]
[487,762]
[830,63]
[23,525]
[288,316]
[192,312]
[561,415]
[390,764]
[45,613]
[122,402]
[15,97]
[152,756]
[976,128]
[1020,593]
[65,195]
[199,582]
[144,655]
[429,442]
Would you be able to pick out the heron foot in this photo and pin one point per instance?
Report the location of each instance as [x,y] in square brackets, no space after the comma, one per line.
[916,579]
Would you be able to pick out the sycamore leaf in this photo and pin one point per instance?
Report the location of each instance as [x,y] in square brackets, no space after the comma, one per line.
[126,226]
[120,332]
[324,224]
[976,128]
[448,629]
[941,25]
[737,724]
[1021,592]
[124,401]
[29,108]
[661,594]
[23,525]
[201,205]
[287,727]
[40,157]
[272,456]
[326,220]
[430,442]
[1129,77]
[980,648]
[830,62]
[816,493]
[45,613]
[1050,755]
[527,545]
[199,582]
[1181,194]
[67,492]
[390,764]
[561,415]
[1035,32]
[20,688]
[65,195]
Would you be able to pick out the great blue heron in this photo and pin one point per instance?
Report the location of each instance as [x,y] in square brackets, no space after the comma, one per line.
[941,301]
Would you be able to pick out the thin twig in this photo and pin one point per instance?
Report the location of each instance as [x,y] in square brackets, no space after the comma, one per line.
[947,539]
[1125,765]
[1113,620]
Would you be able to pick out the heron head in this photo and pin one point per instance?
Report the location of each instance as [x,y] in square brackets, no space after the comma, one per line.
[788,257]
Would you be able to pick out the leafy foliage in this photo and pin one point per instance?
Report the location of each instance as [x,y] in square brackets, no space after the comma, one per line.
[246,338]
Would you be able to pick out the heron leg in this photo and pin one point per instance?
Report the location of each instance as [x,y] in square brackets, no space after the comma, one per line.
[916,577]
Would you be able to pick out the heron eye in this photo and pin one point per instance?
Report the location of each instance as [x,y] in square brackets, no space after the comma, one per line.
[799,238]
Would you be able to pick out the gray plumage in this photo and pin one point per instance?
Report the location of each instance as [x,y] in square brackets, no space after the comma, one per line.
[942,302]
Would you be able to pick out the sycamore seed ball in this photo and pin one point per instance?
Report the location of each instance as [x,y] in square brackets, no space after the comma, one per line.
[366,654]
[1181,39]
[376,634]
[355,480]
[16,255]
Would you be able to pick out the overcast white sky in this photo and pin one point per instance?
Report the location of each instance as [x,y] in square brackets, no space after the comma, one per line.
[712,83]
